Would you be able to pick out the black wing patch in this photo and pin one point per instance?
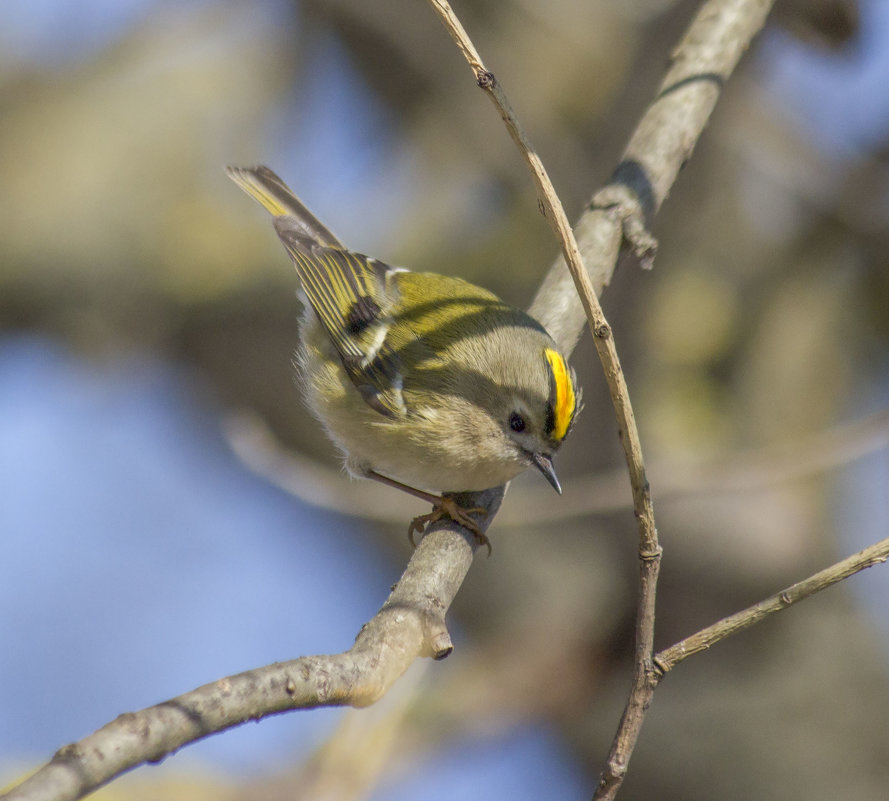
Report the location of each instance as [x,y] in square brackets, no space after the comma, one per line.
[352,297]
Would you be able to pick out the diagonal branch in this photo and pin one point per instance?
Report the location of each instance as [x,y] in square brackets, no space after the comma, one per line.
[661,144]
[667,659]
[410,624]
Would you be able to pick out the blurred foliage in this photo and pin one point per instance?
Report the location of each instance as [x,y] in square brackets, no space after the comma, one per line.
[766,313]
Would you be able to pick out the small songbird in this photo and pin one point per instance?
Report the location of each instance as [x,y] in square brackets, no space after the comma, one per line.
[424,382]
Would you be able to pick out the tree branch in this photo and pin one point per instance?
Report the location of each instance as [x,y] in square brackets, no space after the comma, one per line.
[410,624]
[649,548]
[661,144]
[667,659]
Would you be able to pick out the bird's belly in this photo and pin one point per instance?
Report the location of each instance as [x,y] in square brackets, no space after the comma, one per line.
[417,449]
[392,449]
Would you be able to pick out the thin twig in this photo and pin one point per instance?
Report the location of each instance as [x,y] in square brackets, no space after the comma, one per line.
[649,548]
[667,659]
[662,142]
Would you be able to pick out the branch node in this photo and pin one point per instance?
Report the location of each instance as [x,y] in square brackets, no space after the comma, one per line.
[651,555]
[659,669]
[441,645]
[643,242]
[486,79]
[603,331]
[69,751]
[615,771]
[622,203]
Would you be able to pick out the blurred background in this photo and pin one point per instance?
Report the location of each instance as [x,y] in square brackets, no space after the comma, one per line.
[170,514]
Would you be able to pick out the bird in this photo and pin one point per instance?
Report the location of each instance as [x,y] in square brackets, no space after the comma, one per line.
[423,382]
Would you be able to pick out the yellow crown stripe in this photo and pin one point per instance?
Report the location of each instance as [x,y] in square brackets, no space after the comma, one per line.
[565,401]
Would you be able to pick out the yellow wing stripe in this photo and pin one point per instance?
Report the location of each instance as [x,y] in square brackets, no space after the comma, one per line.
[565,400]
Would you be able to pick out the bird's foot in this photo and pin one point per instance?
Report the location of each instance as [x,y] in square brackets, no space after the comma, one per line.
[448,507]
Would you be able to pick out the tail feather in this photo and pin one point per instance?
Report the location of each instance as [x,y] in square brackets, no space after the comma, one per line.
[267,189]
[350,294]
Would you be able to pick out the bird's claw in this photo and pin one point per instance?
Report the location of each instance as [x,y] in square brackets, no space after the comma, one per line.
[447,507]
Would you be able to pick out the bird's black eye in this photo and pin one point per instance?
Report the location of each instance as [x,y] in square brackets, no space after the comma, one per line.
[517,422]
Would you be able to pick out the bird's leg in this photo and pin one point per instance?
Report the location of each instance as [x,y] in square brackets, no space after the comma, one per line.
[441,507]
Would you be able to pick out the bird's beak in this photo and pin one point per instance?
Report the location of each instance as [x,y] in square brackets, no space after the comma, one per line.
[545,465]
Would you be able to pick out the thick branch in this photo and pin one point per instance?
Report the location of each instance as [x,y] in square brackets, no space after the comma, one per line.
[662,142]
[410,624]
